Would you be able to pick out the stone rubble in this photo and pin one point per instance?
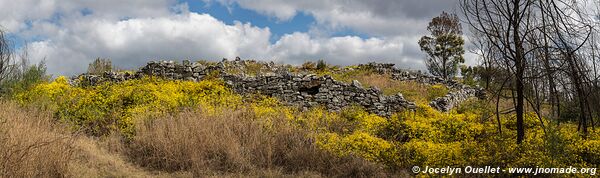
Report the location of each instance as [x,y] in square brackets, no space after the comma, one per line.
[303,90]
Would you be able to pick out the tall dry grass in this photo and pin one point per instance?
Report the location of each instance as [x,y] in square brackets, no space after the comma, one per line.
[237,142]
[31,145]
[411,90]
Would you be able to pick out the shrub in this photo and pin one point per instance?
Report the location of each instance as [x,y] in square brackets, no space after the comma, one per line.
[321,65]
[436,91]
[358,143]
[115,106]
[205,128]
[24,79]
[424,153]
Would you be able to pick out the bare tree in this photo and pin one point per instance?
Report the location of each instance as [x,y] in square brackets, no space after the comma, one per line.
[7,63]
[505,24]
[547,49]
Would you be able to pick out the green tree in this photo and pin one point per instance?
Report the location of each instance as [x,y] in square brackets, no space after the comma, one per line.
[468,74]
[30,76]
[321,65]
[444,47]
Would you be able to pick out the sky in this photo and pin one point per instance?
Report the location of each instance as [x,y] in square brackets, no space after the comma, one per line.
[69,34]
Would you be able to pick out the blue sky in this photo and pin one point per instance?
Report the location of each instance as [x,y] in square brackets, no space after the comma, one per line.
[300,22]
[68,34]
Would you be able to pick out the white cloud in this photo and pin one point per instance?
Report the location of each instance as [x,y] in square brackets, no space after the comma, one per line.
[163,29]
[15,16]
[378,17]
[130,43]
[298,47]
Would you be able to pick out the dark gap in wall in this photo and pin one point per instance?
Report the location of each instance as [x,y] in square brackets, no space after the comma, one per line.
[311,90]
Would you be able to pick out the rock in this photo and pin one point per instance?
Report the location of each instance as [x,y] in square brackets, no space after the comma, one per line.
[298,89]
[355,83]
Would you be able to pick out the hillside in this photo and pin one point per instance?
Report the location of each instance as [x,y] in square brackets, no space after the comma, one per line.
[260,119]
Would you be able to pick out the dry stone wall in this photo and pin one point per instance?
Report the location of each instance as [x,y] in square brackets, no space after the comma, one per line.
[310,90]
[457,95]
[302,90]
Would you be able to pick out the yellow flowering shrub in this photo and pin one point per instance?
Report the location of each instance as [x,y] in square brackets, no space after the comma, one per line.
[589,150]
[359,143]
[530,121]
[431,125]
[365,122]
[424,153]
[109,106]
[467,135]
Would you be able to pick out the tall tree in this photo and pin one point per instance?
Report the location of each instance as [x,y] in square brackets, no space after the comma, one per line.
[505,24]
[544,47]
[7,61]
[445,45]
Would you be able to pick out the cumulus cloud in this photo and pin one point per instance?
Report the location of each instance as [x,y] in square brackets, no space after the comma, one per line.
[70,34]
[378,17]
[18,16]
[130,43]
[298,47]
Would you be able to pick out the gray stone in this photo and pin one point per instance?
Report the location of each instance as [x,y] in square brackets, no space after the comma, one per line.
[301,89]
[355,83]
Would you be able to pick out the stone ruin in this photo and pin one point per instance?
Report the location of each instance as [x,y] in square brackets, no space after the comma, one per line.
[299,89]
[459,92]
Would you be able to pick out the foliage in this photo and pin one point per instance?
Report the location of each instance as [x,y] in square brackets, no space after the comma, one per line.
[445,47]
[464,136]
[25,79]
[429,137]
[359,143]
[116,106]
[436,91]
[468,74]
[237,141]
[321,65]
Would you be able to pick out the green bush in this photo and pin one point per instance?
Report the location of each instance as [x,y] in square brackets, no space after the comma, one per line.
[25,79]
[321,65]
[436,91]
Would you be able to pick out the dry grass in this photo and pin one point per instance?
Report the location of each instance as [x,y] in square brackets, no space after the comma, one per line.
[33,144]
[234,144]
[94,159]
[411,90]
[191,144]
[30,145]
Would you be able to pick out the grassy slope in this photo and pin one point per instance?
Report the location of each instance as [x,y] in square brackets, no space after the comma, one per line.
[259,138]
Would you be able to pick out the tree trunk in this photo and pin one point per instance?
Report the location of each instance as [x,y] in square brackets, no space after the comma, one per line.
[520,105]
[444,72]
[520,66]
